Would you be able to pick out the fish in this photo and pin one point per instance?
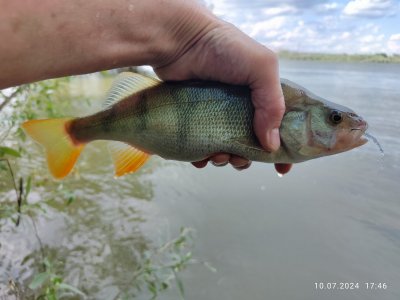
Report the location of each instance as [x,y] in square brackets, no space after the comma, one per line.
[192,120]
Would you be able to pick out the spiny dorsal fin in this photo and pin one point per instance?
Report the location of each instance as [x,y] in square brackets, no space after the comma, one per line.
[127,159]
[126,84]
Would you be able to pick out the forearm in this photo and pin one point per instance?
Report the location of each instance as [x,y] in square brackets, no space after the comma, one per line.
[51,38]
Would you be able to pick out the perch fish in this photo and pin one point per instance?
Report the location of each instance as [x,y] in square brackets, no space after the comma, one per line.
[191,120]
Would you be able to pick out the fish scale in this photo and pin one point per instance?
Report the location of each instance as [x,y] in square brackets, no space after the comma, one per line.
[197,119]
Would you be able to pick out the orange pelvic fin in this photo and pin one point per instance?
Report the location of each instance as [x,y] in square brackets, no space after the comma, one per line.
[127,159]
[62,152]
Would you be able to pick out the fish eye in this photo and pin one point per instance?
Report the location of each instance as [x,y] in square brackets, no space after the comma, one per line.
[335,117]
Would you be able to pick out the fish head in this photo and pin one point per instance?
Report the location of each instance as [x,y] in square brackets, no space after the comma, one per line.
[314,127]
[334,129]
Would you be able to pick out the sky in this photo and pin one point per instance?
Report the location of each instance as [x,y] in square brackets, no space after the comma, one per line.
[340,26]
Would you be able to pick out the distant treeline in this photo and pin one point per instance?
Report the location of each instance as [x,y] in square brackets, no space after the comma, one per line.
[378,57]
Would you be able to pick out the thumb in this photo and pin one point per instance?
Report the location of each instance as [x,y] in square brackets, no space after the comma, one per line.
[269,104]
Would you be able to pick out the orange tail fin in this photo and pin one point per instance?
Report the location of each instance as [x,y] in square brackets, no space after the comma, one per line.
[61,151]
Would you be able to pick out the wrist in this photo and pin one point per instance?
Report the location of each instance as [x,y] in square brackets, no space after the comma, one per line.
[60,38]
[169,31]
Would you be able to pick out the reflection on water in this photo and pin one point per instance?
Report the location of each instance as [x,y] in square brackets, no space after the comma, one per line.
[334,219]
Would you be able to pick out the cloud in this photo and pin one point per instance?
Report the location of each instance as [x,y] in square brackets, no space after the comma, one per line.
[370,8]
[326,34]
[327,7]
[280,10]
[394,43]
[272,7]
[270,28]
[314,25]
[244,4]
[371,43]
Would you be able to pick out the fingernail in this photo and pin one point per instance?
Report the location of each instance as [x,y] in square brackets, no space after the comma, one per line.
[273,139]
[244,167]
[221,164]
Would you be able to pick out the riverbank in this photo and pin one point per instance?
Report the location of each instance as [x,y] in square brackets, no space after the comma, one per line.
[377,58]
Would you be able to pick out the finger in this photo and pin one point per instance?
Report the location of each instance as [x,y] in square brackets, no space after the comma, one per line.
[200,164]
[238,162]
[268,102]
[220,159]
[283,168]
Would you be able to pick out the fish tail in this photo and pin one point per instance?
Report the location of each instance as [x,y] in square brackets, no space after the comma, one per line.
[61,150]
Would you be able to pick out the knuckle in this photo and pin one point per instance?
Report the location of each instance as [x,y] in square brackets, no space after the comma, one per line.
[273,109]
[272,57]
[279,107]
[269,57]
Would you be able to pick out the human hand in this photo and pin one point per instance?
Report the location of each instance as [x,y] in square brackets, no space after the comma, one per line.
[225,54]
[181,39]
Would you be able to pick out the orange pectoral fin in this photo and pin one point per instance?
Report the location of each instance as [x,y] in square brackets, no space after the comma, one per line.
[127,159]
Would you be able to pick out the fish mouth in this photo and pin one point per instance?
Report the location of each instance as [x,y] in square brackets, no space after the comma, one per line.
[360,125]
[359,137]
[361,141]
[358,131]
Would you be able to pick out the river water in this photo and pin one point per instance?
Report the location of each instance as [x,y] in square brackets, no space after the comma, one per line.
[330,220]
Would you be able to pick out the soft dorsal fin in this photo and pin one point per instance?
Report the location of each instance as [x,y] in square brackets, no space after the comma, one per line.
[126,84]
[127,159]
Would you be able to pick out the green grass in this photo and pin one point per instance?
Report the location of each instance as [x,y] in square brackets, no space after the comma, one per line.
[343,57]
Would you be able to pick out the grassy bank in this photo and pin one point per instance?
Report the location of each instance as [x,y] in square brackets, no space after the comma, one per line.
[378,57]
